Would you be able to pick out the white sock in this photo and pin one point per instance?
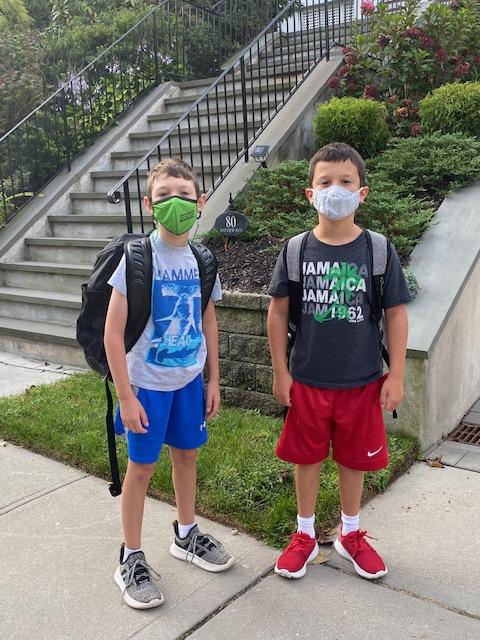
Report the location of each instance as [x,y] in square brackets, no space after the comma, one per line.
[350,523]
[127,552]
[184,529]
[305,525]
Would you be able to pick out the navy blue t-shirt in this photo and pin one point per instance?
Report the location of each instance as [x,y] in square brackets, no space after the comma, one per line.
[337,345]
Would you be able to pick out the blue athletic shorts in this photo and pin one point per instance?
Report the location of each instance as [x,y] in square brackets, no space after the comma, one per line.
[176,418]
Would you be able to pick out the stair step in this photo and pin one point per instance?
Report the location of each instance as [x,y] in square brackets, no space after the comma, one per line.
[47,267]
[230,93]
[143,135]
[44,341]
[33,296]
[111,218]
[105,180]
[44,306]
[96,224]
[125,160]
[44,331]
[96,243]
[60,249]
[45,276]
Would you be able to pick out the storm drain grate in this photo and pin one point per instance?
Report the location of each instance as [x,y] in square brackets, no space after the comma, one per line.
[466,433]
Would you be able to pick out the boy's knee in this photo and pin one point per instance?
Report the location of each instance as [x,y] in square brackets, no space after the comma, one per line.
[183,457]
[141,472]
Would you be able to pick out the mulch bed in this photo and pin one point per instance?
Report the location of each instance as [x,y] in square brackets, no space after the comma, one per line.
[246,266]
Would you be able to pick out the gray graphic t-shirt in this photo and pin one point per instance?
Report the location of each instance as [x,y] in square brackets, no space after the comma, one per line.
[337,344]
[171,351]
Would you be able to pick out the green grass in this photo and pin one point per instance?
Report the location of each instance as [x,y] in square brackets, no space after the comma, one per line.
[240,481]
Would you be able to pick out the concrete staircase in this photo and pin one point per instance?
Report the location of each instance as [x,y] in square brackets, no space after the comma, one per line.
[40,294]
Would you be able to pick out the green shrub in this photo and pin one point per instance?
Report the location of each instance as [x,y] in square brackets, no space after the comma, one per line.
[402,218]
[452,108]
[428,166]
[407,183]
[275,201]
[358,122]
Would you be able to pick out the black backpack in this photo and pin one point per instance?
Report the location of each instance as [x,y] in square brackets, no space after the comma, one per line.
[96,295]
[379,249]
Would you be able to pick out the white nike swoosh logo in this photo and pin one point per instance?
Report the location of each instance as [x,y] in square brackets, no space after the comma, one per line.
[372,453]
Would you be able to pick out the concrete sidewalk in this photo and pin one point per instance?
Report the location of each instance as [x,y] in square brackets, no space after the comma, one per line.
[59,540]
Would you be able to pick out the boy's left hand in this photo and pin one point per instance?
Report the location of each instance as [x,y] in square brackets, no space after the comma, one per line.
[213,399]
[392,393]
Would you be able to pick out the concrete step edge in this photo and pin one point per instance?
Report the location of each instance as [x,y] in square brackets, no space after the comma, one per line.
[34,296]
[67,242]
[41,331]
[47,267]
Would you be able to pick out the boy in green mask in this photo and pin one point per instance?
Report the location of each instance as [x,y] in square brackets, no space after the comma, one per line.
[159,382]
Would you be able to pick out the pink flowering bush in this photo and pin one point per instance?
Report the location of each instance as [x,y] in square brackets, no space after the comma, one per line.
[396,58]
[367,7]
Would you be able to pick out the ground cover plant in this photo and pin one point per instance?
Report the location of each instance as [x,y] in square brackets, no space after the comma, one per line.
[408,182]
[240,481]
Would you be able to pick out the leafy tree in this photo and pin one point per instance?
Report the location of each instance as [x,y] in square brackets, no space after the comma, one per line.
[14,16]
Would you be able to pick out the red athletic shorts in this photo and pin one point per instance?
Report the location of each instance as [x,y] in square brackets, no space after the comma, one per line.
[351,419]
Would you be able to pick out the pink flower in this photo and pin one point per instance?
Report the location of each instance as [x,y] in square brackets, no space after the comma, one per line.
[333,82]
[350,59]
[476,60]
[382,41]
[351,84]
[415,128]
[461,70]
[370,92]
[347,50]
[414,32]
[367,6]
[426,41]
[441,55]
[401,112]
[343,71]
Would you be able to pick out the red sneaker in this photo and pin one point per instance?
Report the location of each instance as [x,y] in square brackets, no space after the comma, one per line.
[366,561]
[293,561]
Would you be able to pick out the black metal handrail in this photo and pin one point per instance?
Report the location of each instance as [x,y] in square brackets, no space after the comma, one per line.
[224,121]
[176,40]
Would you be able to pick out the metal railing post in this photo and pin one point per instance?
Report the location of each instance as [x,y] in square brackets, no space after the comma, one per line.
[128,207]
[66,137]
[327,31]
[155,47]
[244,107]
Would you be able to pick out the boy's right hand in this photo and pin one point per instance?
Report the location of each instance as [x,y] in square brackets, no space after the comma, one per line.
[282,385]
[133,415]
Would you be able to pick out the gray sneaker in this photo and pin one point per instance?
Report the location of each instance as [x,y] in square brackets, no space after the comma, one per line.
[133,578]
[202,549]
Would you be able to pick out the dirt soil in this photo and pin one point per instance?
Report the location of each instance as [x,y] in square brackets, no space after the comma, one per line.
[246,266]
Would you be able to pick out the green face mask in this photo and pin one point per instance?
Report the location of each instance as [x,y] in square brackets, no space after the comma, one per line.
[176,214]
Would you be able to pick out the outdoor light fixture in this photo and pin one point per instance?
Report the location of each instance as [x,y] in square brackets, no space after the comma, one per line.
[260,154]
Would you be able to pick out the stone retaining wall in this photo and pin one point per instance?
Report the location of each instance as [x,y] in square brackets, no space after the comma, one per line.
[245,371]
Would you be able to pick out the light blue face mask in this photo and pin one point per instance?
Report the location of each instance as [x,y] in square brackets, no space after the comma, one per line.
[335,203]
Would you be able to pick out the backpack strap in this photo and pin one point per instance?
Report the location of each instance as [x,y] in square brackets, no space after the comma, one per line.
[379,249]
[207,266]
[115,487]
[293,262]
[138,265]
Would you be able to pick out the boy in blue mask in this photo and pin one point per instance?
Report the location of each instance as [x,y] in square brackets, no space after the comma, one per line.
[159,382]
[335,389]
